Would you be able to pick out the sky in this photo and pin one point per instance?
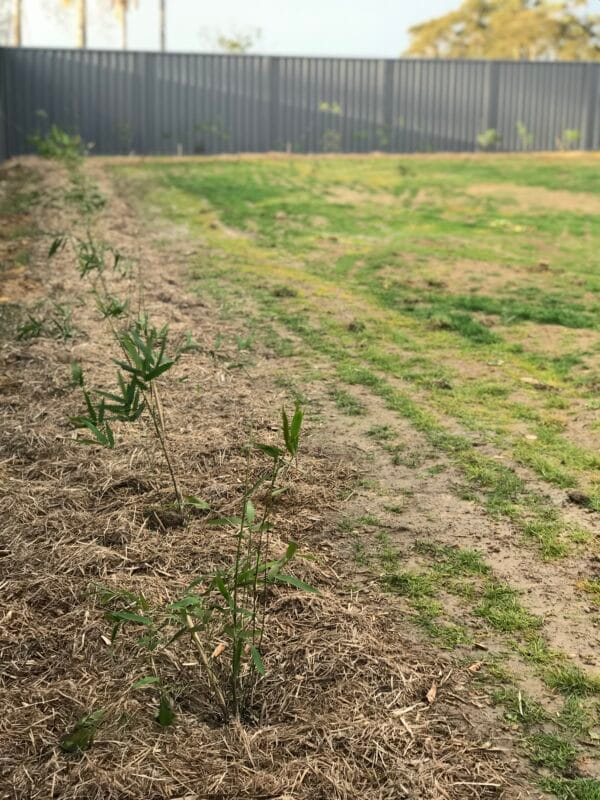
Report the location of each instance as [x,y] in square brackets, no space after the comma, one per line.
[375,28]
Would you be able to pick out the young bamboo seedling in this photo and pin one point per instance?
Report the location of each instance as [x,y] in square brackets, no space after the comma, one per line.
[223,616]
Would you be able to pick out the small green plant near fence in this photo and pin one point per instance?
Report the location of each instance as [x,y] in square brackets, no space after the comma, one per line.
[489,139]
[569,139]
[56,143]
[331,141]
[221,616]
[526,137]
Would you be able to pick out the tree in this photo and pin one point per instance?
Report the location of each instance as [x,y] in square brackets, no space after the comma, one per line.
[81,21]
[238,41]
[514,29]
[18,24]
[121,8]
[163,24]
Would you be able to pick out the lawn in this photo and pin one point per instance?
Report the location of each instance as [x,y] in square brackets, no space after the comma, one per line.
[438,321]
[463,292]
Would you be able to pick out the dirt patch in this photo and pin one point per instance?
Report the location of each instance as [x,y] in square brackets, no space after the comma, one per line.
[432,512]
[530,197]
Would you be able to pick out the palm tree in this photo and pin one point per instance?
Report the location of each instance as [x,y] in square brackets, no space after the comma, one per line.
[163,25]
[122,7]
[81,21]
[18,24]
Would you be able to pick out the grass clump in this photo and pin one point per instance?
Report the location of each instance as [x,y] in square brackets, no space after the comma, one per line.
[347,403]
[410,584]
[501,609]
[573,788]
[571,680]
[552,752]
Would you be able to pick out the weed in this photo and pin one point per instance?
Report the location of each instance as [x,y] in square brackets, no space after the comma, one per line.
[85,195]
[81,736]
[525,136]
[111,306]
[32,328]
[144,349]
[55,321]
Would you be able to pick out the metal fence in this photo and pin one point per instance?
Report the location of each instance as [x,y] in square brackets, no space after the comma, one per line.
[151,103]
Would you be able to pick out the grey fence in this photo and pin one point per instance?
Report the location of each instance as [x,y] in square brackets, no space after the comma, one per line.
[151,103]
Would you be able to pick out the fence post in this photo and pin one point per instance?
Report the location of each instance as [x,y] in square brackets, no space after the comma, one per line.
[388,98]
[589,105]
[273,102]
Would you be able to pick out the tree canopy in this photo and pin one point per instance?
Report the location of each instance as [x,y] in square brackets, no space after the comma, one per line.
[512,29]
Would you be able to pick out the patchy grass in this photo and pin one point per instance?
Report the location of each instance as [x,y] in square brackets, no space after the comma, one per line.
[474,318]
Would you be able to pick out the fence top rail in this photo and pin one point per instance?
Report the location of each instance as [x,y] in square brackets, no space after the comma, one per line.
[213,54]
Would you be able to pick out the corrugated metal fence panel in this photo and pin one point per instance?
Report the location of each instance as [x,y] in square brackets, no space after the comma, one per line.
[151,103]
[3,110]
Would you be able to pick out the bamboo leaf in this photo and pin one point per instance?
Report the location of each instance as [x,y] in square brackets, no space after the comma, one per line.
[270,450]
[291,580]
[257,660]
[149,680]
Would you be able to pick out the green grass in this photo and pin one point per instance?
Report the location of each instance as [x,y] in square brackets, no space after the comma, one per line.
[518,706]
[552,752]
[570,680]
[573,789]
[346,403]
[500,608]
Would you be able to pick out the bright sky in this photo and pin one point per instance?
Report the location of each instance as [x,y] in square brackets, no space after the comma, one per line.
[302,27]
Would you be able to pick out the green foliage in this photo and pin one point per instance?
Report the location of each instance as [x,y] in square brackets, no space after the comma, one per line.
[81,736]
[569,139]
[571,680]
[489,139]
[55,321]
[573,788]
[526,137]
[143,346]
[57,144]
[509,29]
[550,751]
[223,615]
